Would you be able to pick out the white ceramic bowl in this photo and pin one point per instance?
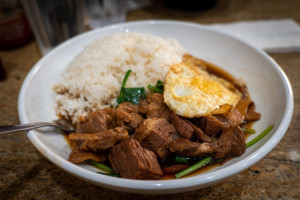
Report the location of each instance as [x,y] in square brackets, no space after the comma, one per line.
[268,85]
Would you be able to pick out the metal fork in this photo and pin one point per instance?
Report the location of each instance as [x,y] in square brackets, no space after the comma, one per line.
[59,123]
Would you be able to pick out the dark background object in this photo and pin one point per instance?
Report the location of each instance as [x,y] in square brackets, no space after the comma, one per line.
[14,28]
[2,71]
[191,5]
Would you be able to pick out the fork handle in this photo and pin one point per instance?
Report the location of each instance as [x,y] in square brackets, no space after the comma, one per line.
[23,127]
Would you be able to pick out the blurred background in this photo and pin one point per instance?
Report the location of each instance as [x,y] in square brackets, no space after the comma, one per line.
[29,29]
[52,22]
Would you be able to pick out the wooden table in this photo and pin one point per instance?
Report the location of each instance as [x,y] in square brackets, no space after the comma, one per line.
[26,174]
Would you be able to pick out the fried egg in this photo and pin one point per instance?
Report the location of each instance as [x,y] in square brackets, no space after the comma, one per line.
[191,92]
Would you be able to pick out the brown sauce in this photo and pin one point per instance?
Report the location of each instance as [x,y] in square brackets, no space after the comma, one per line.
[66,136]
[199,171]
[215,70]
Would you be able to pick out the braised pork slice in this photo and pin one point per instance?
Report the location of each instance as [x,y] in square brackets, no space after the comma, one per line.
[184,129]
[133,161]
[238,114]
[99,141]
[94,122]
[252,115]
[78,156]
[154,106]
[212,125]
[187,129]
[112,113]
[231,143]
[127,116]
[199,134]
[185,147]
[155,134]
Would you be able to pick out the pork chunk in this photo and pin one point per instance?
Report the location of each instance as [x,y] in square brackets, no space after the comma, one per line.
[95,122]
[184,129]
[199,133]
[155,134]
[99,141]
[231,143]
[127,116]
[133,161]
[211,125]
[154,106]
[188,148]
[78,156]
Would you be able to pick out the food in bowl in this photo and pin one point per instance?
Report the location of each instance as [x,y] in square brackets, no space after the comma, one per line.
[189,111]
[93,79]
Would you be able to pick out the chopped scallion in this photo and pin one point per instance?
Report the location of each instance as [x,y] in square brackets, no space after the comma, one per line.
[125,78]
[155,89]
[159,87]
[100,165]
[182,159]
[109,174]
[265,132]
[194,167]
[132,95]
[248,130]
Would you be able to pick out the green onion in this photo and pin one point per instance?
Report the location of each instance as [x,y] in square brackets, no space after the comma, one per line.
[125,78]
[132,95]
[189,160]
[109,174]
[160,84]
[265,132]
[248,130]
[159,87]
[155,89]
[194,167]
[100,165]
[182,159]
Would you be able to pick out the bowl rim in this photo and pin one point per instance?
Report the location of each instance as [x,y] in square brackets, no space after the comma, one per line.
[160,186]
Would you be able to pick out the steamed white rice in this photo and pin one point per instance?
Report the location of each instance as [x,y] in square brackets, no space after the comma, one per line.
[93,79]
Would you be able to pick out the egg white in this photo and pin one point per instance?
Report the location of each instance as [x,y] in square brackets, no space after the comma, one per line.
[192,92]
